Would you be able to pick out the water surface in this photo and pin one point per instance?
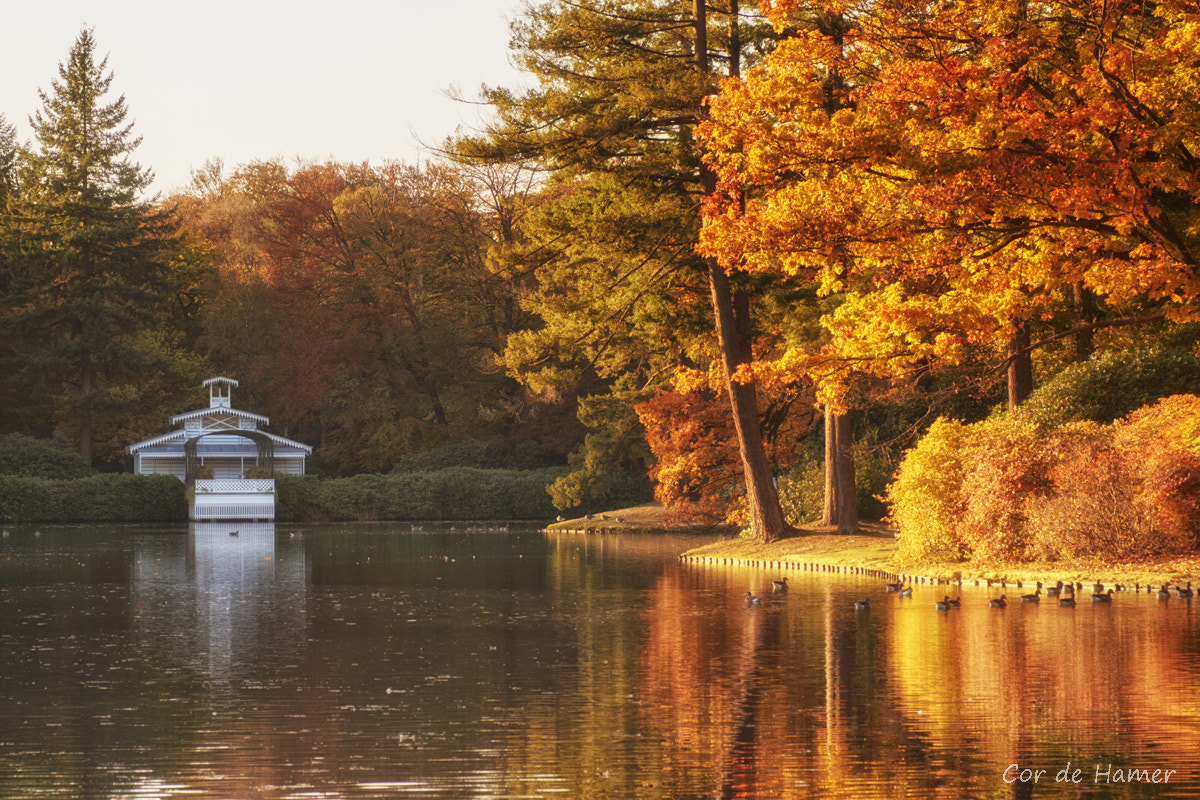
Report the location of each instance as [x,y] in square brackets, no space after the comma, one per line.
[382,661]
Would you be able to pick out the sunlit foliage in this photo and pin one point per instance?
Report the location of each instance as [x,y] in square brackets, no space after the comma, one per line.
[1004,491]
[356,304]
[956,169]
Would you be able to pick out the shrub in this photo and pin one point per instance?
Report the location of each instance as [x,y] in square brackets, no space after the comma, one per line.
[1163,442]
[1004,491]
[297,498]
[802,491]
[1110,385]
[459,493]
[1006,468]
[697,469]
[40,458]
[1091,510]
[96,498]
[926,496]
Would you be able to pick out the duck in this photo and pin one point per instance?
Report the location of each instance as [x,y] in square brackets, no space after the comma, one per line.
[944,604]
[1067,600]
[956,602]
[1188,592]
[1102,597]
[1164,592]
[999,602]
[1055,590]
[894,587]
[862,605]
[779,586]
[1032,598]
[233,533]
[906,591]
[1097,588]
[752,600]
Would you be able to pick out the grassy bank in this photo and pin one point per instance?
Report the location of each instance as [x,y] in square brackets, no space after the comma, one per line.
[873,550]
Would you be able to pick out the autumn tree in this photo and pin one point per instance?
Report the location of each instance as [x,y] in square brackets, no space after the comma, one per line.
[94,269]
[354,300]
[991,164]
[621,295]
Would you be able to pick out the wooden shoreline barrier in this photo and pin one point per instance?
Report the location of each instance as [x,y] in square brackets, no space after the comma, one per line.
[905,579]
[812,566]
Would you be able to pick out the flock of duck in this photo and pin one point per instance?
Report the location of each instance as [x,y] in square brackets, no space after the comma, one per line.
[1063,592]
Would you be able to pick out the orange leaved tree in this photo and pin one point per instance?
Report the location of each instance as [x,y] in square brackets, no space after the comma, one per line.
[958,173]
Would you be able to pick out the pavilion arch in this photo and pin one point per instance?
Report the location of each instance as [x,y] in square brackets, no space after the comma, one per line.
[265,458]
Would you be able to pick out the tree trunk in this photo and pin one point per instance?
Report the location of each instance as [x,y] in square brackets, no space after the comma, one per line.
[841,498]
[1020,366]
[829,510]
[765,521]
[1086,313]
[87,385]
[847,507]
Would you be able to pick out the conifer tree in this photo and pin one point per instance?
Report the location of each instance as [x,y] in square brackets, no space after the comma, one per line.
[8,159]
[94,256]
[620,88]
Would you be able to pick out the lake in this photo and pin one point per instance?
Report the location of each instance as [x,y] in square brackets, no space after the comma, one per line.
[496,661]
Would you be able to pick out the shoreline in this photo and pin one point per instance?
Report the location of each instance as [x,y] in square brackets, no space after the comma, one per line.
[871,552]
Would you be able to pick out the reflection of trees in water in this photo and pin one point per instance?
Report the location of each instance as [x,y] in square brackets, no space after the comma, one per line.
[804,697]
[739,755]
[1044,685]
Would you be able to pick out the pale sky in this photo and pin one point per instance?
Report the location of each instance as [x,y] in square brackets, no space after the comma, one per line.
[242,80]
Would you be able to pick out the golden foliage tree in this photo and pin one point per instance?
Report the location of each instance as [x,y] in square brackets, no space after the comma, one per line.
[958,173]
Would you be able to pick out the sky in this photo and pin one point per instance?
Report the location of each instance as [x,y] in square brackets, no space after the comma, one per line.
[344,80]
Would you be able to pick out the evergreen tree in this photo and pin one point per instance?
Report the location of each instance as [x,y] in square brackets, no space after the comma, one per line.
[620,87]
[91,265]
[8,159]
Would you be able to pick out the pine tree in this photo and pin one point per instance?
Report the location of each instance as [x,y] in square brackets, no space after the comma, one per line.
[8,159]
[93,255]
[620,87]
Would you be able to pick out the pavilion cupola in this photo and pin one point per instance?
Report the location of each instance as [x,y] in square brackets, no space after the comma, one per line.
[220,392]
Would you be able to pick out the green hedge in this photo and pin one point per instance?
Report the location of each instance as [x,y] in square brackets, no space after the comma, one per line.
[96,498]
[459,493]
[40,458]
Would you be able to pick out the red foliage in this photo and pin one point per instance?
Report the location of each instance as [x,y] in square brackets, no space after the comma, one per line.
[1008,470]
[697,469]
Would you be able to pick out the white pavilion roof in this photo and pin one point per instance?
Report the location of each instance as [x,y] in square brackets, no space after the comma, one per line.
[221,425]
[200,413]
[216,438]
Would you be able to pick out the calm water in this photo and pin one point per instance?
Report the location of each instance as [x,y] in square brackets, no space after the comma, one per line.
[385,662]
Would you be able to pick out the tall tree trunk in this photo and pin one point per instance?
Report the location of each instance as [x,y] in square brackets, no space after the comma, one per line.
[841,498]
[766,521]
[829,510]
[1086,313]
[1020,365]
[87,385]
[847,508]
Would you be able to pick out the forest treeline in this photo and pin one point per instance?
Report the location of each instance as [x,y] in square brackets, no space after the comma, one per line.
[754,254]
